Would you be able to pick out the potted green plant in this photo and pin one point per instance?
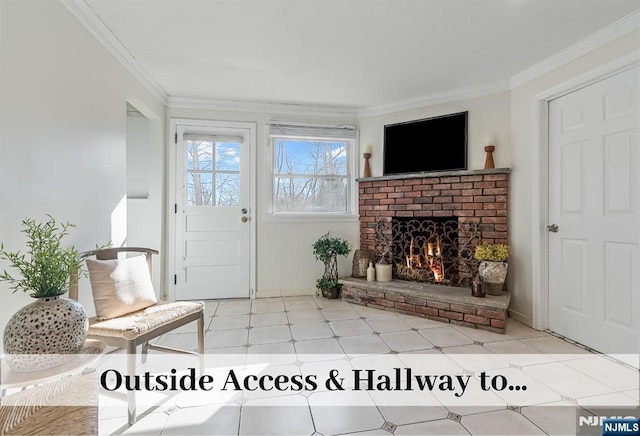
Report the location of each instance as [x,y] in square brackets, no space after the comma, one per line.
[493,266]
[327,249]
[51,326]
[328,288]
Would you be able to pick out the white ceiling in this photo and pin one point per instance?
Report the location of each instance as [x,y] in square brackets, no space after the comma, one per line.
[358,53]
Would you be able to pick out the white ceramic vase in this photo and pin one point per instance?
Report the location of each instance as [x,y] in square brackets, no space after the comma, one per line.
[383,272]
[493,275]
[45,333]
[371,273]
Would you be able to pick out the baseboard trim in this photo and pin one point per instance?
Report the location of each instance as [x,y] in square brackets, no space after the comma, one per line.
[521,317]
[284,293]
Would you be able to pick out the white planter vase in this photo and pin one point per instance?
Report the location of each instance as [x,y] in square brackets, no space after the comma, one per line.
[383,272]
[45,333]
[494,275]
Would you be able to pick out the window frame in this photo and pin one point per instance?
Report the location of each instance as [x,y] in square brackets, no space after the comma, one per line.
[214,140]
[351,213]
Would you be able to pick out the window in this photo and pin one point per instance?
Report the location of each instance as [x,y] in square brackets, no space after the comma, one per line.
[213,171]
[311,169]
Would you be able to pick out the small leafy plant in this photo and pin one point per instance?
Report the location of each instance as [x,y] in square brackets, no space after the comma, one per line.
[492,252]
[324,286]
[327,249]
[46,266]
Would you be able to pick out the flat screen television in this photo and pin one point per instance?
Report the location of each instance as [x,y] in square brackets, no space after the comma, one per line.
[431,144]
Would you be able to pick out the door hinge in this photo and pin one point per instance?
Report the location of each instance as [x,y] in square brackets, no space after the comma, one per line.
[175,139]
[175,208]
[175,279]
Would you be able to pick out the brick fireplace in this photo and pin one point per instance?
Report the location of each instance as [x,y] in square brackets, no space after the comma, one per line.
[476,198]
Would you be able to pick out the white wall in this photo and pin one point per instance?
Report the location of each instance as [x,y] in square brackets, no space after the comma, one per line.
[138,148]
[285,263]
[63,129]
[488,115]
[145,187]
[521,217]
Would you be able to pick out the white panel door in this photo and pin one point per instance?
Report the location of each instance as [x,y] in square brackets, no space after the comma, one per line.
[212,222]
[594,293]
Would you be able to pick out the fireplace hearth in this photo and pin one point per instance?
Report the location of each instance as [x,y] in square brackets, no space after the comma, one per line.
[447,304]
[427,205]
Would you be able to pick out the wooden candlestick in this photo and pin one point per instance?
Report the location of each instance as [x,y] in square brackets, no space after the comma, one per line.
[488,163]
[367,168]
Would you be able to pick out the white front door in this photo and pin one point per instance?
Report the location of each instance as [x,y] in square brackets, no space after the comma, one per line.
[594,165]
[212,212]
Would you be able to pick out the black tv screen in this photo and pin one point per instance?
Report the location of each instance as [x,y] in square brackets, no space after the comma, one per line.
[432,144]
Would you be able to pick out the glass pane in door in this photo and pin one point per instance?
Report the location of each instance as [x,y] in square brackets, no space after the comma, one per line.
[213,173]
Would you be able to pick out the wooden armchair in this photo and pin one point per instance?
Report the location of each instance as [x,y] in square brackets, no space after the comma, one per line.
[139,327]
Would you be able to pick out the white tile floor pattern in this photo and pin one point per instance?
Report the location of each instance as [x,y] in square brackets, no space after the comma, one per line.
[299,329]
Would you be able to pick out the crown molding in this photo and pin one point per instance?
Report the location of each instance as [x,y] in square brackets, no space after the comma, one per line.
[262,107]
[618,65]
[616,30]
[83,12]
[430,100]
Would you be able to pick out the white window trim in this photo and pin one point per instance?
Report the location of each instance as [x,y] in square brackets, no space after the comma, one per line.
[352,214]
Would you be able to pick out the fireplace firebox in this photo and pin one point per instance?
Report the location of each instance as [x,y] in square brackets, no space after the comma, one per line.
[432,250]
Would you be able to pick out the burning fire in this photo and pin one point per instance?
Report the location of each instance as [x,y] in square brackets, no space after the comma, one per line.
[432,259]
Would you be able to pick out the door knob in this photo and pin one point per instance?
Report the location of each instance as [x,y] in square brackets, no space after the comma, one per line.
[553,228]
[244,219]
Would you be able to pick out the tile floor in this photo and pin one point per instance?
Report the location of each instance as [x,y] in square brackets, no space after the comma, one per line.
[308,335]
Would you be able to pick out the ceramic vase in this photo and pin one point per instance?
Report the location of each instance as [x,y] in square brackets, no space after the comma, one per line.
[383,272]
[371,273]
[493,275]
[45,333]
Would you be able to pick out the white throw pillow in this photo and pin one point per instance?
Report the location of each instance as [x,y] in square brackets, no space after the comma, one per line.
[120,286]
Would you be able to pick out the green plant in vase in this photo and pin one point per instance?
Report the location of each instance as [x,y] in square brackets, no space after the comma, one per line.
[327,249]
[493,266]
[33,337]
[328,288]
